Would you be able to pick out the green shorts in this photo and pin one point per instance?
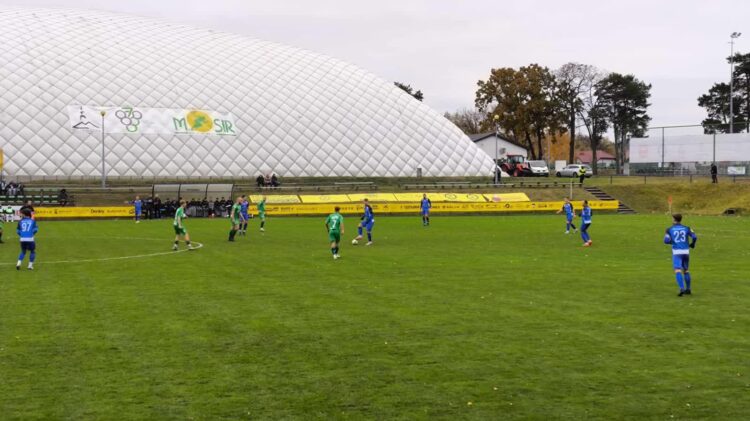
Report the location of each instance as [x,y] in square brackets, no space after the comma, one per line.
[334,236]
[262,215]
[234,221]
[180,231]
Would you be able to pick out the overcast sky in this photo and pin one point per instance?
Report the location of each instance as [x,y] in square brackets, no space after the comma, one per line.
[444,46]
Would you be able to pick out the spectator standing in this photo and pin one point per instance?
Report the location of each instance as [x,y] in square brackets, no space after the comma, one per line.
[260,181]
[581,174]
[157,207]
[714,173]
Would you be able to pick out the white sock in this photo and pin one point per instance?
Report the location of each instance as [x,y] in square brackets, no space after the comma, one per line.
[19,263]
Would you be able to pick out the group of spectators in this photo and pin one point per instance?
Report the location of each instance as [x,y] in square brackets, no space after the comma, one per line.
[12,189]
[268,180]
[155,208]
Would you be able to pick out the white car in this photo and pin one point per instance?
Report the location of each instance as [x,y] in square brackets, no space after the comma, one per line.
[539,168]
[572,171]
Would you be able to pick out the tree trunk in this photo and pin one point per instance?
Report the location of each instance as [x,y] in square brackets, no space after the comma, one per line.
[572,131]
[594,144]
[617,149]
[530,144]
[539,141]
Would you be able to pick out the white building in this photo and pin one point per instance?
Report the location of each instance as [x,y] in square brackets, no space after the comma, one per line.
[488,141]
[182,101]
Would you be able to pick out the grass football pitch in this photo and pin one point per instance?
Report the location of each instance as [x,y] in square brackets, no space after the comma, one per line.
[475,317]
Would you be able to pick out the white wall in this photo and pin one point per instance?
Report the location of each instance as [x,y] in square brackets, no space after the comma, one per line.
[691,148]
[488,146]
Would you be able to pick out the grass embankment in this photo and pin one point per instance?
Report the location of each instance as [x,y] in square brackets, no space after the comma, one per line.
[695,198]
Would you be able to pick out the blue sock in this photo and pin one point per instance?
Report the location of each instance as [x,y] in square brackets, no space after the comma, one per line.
[369,236]
[359,230]
[680,283]
[687,280]
[567,226]
[32,257]
[21,256]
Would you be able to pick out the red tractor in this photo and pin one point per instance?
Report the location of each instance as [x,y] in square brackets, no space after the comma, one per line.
[516,166]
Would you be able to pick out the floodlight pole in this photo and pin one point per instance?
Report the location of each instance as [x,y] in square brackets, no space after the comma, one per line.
[732,37]
[104,174]
[496,118]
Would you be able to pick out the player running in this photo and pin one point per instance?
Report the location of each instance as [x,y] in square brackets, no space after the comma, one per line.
[425,207]
[586,223]
[367,221]
[262,213]
[26,230]
[138,205]
[570,213]
[682,239]
[335,227]
[179,227]
[234,218]
[244,216]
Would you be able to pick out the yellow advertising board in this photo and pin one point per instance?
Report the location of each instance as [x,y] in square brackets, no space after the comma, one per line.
[2,159]
[84,212]
[372,197]
[456,197]
[409,197]
[326,198]
[275,198]
[437,207]
[507,197]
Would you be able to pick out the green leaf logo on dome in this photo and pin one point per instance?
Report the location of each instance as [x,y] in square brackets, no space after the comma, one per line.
[199,121]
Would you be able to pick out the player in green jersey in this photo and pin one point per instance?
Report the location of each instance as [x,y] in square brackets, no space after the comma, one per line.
[179,227]
[335,228]
[262,213]
[235,218]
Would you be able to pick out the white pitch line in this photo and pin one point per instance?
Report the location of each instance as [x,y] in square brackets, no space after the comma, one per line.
[106,259]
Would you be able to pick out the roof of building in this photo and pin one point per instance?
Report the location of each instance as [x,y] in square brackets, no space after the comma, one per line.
[585,156]
[481,136]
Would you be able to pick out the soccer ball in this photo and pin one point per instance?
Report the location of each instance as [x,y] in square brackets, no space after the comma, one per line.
[355,242]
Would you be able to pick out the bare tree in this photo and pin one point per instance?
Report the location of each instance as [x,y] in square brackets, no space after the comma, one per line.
[593,114]
[469,121]
[575,81]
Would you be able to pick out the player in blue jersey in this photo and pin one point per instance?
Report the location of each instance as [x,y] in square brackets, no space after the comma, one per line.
[424,207]
[367,221]
[586,223]
[26,230]
[244,215]
[682,239]
[138,205]
[570,213]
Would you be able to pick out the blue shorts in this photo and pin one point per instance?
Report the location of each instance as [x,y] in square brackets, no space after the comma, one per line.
[28,246]
[681,261]
[569,217]
[245,216]
[367,225]
[425,212]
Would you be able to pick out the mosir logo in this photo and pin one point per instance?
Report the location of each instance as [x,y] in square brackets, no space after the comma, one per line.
[199,121]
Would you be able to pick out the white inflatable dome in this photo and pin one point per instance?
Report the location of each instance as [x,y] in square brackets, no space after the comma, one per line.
[295,112]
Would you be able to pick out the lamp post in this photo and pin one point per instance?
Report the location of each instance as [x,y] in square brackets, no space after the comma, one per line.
[496,120]
[104,174]
[732,37]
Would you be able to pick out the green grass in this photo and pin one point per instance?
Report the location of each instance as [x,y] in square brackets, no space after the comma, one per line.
[471,318]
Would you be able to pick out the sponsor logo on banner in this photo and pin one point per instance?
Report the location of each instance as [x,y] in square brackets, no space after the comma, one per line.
[138,120]
[83,212]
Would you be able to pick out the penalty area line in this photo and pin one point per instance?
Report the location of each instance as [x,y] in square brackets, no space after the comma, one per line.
[107,259]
